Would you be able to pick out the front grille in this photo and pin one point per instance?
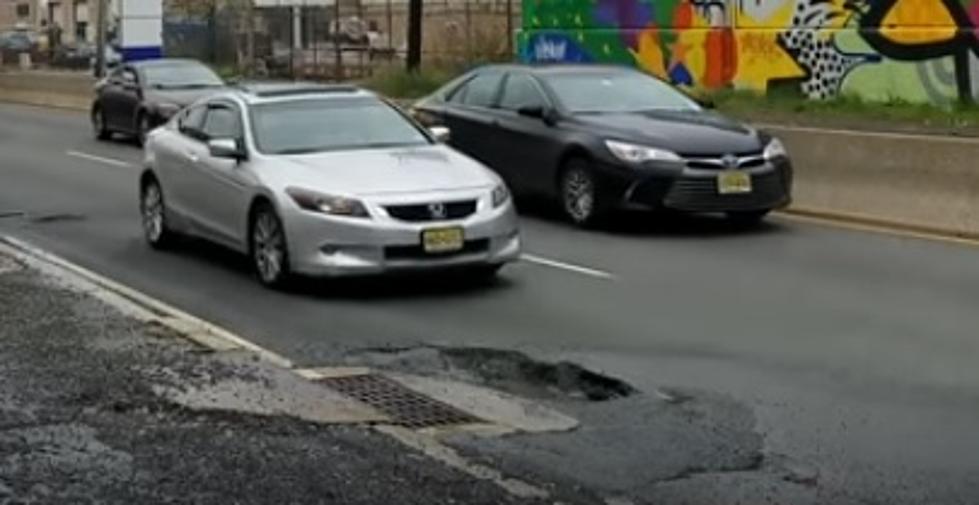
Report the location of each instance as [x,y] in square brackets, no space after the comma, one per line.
[417,252]
[700,194]
[425,212]
[743,160]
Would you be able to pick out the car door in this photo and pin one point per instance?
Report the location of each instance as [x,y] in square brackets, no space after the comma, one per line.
[174,154]
[120,99]
[529,144]
[470,116]
[220,186]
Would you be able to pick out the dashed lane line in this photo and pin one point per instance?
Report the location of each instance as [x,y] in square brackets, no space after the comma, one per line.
[100,159]
[568,267]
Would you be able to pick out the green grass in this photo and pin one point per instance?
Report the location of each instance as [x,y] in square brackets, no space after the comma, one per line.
[399,83]
[849,111]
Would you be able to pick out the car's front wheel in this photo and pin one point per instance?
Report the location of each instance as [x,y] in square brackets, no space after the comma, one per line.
[581,198]
[99,127]
[153,210]
[269,250]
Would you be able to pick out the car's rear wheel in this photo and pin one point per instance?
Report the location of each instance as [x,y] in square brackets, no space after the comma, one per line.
[269,250]
[748,218]
[581,197]
[99,126]
[154,214]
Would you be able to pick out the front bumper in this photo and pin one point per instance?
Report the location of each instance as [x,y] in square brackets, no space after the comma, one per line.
[329,246]
[695,189]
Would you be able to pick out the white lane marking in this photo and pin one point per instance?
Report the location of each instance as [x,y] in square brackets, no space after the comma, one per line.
[591,272]
[880,135]
[100,159]
[134,302]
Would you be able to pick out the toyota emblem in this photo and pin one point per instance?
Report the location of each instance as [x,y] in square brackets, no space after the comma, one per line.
[730,161]
[438,210]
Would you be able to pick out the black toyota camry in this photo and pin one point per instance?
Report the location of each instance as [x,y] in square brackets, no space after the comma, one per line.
[599,138]
[137,97]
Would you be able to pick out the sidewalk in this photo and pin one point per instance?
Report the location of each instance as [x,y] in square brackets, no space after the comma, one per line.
[87,416]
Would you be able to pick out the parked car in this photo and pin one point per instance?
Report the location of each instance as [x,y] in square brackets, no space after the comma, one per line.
[17,41]
[137,97]
[599,138]
[323,181]
[77,56]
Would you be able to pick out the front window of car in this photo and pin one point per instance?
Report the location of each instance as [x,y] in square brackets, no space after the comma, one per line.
[311,126]
[616,91]
[180,76]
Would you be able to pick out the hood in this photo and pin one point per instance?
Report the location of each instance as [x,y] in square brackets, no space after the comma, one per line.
[384,171]
[181,97]
[693,133]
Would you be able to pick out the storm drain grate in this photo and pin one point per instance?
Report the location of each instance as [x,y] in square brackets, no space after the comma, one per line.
[405,407]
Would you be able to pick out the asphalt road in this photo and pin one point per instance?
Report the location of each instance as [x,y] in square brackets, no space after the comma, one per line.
[855,353]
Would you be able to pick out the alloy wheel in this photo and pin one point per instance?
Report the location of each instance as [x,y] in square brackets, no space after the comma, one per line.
[269,248]
[578,193]
[154,226]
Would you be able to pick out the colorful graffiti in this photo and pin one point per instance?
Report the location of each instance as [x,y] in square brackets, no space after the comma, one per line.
[914,50]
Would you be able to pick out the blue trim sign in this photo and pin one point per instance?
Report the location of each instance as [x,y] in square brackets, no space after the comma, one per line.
[141,29]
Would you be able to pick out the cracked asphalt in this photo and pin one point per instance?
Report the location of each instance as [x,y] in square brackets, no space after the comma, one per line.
[82,422]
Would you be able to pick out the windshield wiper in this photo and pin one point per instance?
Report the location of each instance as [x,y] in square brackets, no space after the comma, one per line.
[298,150]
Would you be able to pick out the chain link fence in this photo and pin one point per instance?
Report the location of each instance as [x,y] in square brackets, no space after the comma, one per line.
[336,39]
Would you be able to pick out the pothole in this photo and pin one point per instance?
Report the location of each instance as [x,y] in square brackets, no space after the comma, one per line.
[505,370]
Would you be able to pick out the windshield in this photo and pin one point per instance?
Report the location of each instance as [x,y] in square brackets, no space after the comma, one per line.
[616,92]
[309,126]
[180,75]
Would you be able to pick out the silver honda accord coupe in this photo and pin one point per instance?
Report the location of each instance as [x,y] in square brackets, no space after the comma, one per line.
[323,181]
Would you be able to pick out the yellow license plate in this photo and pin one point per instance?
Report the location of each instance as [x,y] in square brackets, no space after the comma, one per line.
[733,182]
[443,240]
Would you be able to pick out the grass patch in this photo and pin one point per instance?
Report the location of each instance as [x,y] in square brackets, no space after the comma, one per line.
[850,112]
[397,82]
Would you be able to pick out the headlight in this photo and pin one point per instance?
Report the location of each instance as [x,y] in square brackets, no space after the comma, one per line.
[500,196]
[167,110]
[327,204]
[633,153]
[775,149]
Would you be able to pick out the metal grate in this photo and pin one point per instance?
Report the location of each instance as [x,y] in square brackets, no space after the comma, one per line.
[405,407]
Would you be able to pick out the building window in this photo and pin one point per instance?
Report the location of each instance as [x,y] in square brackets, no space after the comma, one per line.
[23,11]
[81,30]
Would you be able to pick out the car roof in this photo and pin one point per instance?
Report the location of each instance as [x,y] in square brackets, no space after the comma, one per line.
[264,92]
[557,68]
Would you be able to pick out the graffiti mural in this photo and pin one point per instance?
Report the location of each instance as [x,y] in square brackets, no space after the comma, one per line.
[913,50]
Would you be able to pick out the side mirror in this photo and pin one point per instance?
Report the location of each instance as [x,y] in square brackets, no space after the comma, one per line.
[226,148]
[539,112]
[440,133]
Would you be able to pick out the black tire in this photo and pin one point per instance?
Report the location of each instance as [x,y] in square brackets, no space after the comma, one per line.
[582,199]
[143,128]
[99,127]
[484,274]
[152,206]
[748,218]
[268,248]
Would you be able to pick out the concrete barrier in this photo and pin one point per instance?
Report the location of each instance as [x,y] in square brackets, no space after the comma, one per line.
[71,90]
[919,182]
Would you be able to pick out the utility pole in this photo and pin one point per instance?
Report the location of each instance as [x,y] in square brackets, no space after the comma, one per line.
[414,35]
[509,28]
[102,18]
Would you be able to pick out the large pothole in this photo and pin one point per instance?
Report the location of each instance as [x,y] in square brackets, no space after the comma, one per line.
[510,371]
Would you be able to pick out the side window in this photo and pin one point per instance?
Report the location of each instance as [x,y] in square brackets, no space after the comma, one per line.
[191,123]
[481,91]
[222,122]
[521,91]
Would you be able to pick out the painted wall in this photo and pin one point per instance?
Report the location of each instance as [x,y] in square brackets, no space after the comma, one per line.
[915,50]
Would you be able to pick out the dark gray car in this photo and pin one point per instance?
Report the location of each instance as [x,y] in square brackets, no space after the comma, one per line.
[599,138]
